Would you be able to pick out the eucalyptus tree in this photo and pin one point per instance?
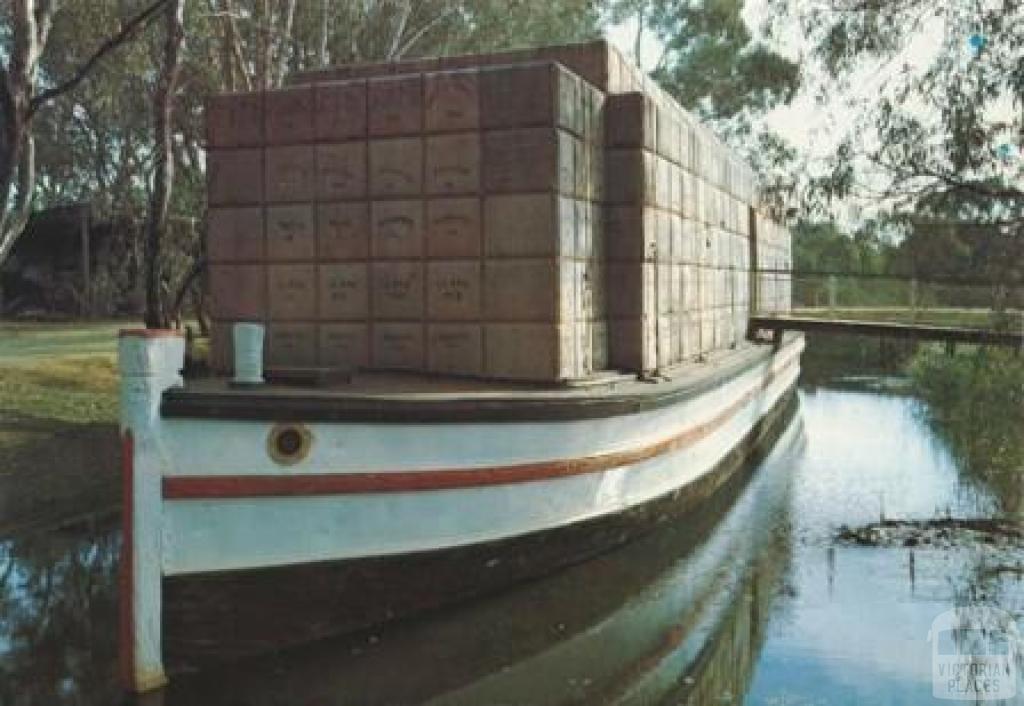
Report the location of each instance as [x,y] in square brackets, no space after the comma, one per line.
[163,158]
[934,98]
[729,75]
[253,44]
[710,60]
[261,41]
[25,90]
[95,142]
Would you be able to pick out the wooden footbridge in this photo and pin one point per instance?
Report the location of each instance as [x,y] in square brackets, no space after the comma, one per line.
[777,324]
[952,310]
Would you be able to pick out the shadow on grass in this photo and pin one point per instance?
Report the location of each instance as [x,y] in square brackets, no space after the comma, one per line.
[52,470]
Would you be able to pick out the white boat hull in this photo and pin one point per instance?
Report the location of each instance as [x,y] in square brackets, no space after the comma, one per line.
[225,507]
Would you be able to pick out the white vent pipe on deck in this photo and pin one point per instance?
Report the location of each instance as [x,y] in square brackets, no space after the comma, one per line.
[248,344]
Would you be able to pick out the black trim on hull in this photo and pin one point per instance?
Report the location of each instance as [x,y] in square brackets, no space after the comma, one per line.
[221,617]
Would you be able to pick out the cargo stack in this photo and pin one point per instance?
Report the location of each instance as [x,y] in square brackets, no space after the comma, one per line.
[677,235]
[638,222]
[440,221]
[466,215]
[543,179]
[774,255]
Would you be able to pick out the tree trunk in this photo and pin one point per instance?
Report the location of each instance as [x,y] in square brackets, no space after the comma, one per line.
[30,28]
[163,162]
[324,30]
[227,42]
[236,47]
[263,55]
[187,285]
[284,41]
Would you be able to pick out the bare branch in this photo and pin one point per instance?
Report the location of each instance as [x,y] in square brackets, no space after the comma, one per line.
[324,27]
[263,59]
[236,47]
[415,37]
[396,37]
[44,20]
[285,38]
[128,31]
[638,40]
[197,268]
[163,179]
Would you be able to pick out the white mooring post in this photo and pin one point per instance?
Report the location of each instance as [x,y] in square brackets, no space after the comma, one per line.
[150,361]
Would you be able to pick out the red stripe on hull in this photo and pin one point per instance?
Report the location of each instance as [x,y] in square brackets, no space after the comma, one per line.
[253,486]
[126,603]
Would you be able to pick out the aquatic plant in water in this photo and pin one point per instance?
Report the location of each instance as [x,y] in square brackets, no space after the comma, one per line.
[976,401]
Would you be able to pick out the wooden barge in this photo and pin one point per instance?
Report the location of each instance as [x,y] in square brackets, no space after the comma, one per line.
[256,518]
[530,276]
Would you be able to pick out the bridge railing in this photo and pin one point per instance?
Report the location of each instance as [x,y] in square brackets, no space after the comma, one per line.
[936,300]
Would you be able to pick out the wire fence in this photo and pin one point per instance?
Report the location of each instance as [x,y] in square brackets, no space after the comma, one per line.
[959,302]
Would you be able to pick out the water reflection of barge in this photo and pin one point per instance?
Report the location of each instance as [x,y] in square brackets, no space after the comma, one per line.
[262,518]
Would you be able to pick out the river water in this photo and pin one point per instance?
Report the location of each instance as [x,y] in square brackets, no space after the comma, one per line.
[751,601]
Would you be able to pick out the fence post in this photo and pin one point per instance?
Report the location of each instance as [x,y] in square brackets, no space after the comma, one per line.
[86,261]
[833,285]
[913,298]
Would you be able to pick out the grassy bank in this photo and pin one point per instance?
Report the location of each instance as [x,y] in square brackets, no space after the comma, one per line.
[58,421]
[976,401]
[936,316]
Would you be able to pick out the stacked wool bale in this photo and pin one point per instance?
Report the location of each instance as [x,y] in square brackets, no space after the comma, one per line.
[678,239]
[509,249]
[775,257]
[701,301]
[543,243]
[441,221]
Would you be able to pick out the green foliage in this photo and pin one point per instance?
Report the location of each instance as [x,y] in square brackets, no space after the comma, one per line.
[824,247]
[713,65]
[374,31]
[935,95]
[88,143]
[716,67]
[976,400]
[987,262]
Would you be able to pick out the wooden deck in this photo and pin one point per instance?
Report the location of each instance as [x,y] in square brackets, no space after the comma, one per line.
[393,397]
[889,329]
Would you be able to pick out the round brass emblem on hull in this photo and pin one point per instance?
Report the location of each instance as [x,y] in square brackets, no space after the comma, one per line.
[289,443]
